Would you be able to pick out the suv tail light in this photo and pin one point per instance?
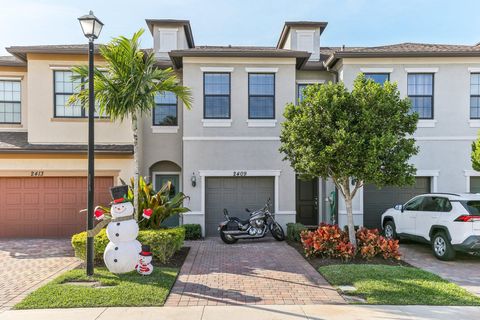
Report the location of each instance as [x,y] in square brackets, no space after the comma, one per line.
[467,218]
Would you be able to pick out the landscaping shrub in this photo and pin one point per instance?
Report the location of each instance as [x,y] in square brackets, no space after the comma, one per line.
[330,241]
[163,243]
[294,230]
[192,231]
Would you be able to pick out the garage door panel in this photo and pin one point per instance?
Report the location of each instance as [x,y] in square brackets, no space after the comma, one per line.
[235,194]
[47,206]
[376,200]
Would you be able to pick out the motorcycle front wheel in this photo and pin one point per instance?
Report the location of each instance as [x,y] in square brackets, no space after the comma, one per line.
[277,231]
[227,238]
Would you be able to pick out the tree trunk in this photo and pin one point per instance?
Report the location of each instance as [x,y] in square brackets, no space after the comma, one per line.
[350,223]
[135,169]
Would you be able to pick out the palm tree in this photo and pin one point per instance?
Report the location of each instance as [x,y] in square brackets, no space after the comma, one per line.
[125,88]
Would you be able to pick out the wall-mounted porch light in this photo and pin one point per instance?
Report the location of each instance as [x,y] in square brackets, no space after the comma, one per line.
[193,179]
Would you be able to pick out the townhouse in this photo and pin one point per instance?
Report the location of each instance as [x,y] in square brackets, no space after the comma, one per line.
[223,152]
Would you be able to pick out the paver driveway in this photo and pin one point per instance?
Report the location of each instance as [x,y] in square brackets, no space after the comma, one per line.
[464,270]
[26,264]
[260,271]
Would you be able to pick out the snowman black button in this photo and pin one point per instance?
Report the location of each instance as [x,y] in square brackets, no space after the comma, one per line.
[116,248]
[117,234]
[114,260]
[118,223]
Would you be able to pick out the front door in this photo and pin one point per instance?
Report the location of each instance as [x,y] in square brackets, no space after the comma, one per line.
[160,180]
[307,201]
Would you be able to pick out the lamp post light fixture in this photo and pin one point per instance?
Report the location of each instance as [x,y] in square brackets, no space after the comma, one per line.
[91,28]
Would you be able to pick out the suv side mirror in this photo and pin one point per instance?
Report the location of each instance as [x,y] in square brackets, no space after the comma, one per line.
[399,207]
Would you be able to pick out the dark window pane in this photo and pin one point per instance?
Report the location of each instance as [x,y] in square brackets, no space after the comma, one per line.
[261,84]
[166,98]
[65,86]
[165,115]
[261,107]
[217,83]
[300,89]
[414,205]
[217,107]
[475,107]
[10,105]
[423,106]
[380,78]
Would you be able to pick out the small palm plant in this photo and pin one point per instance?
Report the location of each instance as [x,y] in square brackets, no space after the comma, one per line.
[127,85]
[162,204]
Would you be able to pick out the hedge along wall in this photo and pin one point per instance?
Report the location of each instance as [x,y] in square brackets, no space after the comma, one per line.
[163,243]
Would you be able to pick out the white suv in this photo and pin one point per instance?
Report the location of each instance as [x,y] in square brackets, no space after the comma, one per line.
[450,222]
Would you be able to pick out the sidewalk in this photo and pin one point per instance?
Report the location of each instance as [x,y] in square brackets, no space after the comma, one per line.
[251,312]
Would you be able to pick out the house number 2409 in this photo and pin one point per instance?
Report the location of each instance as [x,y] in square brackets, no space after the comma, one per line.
[239,173]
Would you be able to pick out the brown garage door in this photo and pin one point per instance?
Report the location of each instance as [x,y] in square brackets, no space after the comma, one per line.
[47,206]
[376,201]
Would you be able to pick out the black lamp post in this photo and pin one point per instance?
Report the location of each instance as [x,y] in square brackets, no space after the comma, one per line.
[91,28]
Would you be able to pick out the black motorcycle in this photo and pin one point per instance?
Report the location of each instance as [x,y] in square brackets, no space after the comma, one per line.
[256,226]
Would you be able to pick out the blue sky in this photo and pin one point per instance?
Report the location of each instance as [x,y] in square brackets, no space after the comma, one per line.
[246,22]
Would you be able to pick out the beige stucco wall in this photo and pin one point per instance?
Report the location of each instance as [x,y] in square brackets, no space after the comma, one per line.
[69,165]
[43,127]
[17,73]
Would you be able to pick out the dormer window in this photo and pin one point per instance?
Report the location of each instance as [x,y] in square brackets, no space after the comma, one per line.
[305,40]
[168,39]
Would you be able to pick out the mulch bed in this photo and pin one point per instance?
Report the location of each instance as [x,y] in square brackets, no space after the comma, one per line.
[317,262]
[176,261]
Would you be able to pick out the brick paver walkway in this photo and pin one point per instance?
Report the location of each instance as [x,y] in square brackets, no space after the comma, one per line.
[464,270]
[26,264]
[260,271]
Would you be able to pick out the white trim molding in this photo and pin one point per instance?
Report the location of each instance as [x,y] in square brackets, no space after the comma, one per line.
[266,70]
[217,123]
[473,69]
[164,129]
[285,213]
[65,68]
[13,78]
[313,81]
[430,173]
[474,123]
[217,69]
[421,70]
[468,174]
[426,123]
[245,138]
[376,70]
[262,123]
[193,213]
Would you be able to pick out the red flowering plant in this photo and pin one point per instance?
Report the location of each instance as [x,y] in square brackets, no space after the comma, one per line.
[329,241]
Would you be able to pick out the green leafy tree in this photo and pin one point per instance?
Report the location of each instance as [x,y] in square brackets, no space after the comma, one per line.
[126,86]
[476,154]
[357,137]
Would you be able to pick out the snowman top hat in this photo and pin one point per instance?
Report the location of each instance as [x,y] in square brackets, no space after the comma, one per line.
[119,194]
[146,251]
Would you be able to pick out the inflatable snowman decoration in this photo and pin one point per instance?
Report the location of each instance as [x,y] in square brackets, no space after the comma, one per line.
[121,253]
[144,266]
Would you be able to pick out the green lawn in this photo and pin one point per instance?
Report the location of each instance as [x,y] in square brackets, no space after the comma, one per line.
[380,284]
[129,289]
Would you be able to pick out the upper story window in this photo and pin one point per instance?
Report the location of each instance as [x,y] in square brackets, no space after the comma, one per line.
[380,78]
[65,86]
[165,111]
[475,96]
[420,92]
[216,97]
[168,39]
[261,96]
[305,40]
[10,105]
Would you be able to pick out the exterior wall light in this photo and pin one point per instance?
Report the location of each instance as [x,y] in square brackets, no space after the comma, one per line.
[194,180]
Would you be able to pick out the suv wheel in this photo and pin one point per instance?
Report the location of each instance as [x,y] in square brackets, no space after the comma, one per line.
[389,230]
[442,249]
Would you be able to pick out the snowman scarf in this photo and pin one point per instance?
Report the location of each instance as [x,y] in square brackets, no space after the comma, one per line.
[93,232]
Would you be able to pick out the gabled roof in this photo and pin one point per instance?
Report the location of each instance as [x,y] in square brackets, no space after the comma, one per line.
[173,22]
[300,24]
[21,51]
[238,51]
[10,61]
[406,49]
[17,142]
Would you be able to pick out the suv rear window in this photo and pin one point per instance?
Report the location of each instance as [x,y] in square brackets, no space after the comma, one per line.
[473,207]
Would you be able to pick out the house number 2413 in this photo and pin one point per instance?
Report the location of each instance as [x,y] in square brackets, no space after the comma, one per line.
[239,173]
